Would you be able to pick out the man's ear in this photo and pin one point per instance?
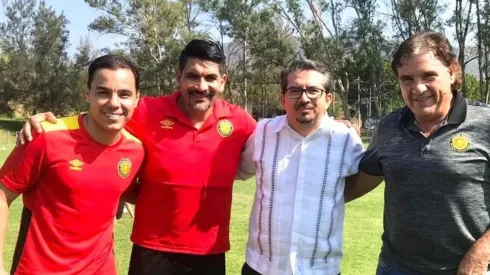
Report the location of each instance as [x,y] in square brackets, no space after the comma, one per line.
[329,100]
[138,94]
[282,99]
[224,79]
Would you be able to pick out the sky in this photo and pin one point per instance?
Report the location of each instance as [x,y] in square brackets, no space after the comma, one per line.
[80,15]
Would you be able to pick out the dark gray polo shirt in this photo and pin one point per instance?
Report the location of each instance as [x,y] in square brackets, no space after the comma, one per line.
[437,188]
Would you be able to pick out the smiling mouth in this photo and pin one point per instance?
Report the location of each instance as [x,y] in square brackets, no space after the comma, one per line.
[113,116]
[421,98]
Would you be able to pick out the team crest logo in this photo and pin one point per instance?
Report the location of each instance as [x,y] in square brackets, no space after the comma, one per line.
[76,165]
[167,124]
[124,168]
[460,143]
[225,128]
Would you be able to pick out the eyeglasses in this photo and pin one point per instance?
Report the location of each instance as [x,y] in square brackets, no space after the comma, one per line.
[311,93]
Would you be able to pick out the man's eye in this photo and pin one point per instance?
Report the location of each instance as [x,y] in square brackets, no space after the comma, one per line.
[406,81]
[314,91]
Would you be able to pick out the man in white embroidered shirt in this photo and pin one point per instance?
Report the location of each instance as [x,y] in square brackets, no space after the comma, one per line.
[300,160]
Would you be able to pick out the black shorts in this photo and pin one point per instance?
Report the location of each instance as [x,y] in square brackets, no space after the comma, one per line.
[25,221]
[247,270]
[146,261]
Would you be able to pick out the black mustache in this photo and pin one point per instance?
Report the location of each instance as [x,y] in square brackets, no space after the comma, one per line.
[199,94]
[303,106]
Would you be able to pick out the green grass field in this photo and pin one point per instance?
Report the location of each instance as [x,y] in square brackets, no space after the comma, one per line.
[363,226]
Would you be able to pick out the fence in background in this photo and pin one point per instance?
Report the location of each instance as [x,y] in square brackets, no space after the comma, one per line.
[7,140]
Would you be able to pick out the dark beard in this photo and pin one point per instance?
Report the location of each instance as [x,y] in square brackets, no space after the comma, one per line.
[304,120]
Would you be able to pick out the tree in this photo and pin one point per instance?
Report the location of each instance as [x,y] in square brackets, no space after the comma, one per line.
[49,43]
[323,37]
[156,32]
[15,43]
[78,76]
[369,55]
[261,47]
[472,88]
[462,20]
[411,16]
[16,31]
[480,38]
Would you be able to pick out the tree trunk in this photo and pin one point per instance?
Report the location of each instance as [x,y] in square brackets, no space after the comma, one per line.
[245,102]
[480,53]
[344,92]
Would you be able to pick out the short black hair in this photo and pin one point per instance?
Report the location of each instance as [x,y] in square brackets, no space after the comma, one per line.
[307,65]
[113,62]
[205,50]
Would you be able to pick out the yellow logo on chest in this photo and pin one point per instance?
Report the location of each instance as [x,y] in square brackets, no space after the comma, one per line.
[225,128]
[124,168]
[460,143]
[76,165]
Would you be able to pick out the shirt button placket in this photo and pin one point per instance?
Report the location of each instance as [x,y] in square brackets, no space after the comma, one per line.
[298,205]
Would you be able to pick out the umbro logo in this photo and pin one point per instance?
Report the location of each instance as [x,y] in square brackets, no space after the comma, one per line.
[166,124]
[76,165]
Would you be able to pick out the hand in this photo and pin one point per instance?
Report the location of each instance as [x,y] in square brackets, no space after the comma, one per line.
[33,122]
[475,261]
[350,125]
[3,271]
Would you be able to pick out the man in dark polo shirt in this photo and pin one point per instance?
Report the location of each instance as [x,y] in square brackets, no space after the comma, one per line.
[434,155]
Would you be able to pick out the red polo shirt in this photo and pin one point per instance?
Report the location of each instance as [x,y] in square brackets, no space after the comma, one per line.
[77,184]
[187,179]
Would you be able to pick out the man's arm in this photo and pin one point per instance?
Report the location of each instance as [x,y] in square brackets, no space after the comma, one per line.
[369,172]
[131,194]
[476,260]
[19,173]
[360,184]
[6,198]
[246,168]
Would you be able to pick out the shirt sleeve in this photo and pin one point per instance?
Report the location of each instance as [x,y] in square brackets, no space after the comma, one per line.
[246,168]
[136,122]
[250,124]
[24,165]
[370,163]
[356,151]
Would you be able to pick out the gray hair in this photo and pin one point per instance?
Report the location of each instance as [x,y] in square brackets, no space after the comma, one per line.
[307,65]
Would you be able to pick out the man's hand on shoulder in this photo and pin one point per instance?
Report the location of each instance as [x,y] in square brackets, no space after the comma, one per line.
[33,123]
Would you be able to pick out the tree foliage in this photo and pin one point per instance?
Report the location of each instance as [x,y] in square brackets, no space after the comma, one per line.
[259,37]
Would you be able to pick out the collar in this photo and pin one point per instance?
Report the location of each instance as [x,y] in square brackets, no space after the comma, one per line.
[457,113]
[171,108]
[283,122]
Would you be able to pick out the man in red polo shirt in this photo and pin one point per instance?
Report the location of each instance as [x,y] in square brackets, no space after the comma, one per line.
[75,172]
[193,141]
